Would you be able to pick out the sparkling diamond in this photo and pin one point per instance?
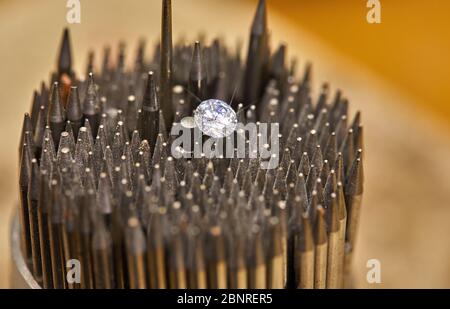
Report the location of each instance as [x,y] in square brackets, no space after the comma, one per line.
[215,118]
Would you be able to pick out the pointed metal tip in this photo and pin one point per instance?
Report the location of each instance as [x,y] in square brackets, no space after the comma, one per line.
[66,35]
[74,112]
[150,101]
[262,8]
[56,109]
[356,177]
[197,72]
[27,126]
[166,62]
[166,19]
[259,26]
[55,90]
[197,76]
[65,54]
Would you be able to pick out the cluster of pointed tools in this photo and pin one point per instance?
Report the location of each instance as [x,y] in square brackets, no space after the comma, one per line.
[98,183]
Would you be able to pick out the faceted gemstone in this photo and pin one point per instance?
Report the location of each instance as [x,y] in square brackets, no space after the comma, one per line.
[215,118]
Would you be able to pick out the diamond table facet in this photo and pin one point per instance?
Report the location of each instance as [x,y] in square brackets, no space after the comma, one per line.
[215,118]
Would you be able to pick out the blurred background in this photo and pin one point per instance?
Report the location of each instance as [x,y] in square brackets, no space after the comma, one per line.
[396,72]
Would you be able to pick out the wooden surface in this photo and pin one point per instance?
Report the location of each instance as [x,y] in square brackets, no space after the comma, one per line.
[406,207]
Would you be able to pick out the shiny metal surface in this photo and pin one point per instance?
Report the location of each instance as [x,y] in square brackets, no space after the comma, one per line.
[21,277]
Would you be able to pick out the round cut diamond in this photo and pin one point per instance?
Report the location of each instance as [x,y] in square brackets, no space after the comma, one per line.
[215,118]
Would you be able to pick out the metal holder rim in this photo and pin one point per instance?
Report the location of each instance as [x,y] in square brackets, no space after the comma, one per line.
[21,276]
